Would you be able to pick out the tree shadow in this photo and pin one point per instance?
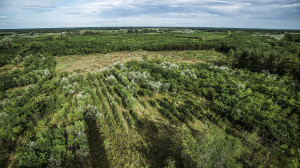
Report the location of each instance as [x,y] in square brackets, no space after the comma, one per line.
[96,145]
[159,138]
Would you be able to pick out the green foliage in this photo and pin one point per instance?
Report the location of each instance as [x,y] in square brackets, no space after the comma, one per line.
[36,153]
[134,115]
[153,103]
[255,50]
[36,68]
[33,48]
[126,95]
[214,149]
[128,118]
[52,122]
[171,163]
[6,43]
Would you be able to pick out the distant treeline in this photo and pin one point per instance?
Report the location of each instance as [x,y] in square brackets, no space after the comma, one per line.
[276,51]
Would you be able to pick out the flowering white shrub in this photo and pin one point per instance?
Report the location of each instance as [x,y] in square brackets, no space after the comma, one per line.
[112,79]
[110,67]
[31,144]
[132,86]
[122,76]
[69,89]
[103,70]
[95,108]
[81,139]
[130,101]
[168,65]
[71,77]
[64,81]
[82,96]
[241,86]
[219,68]
[138,77]
[27,57]
[269,75]
[165,87]
[54,162]
[15,79]
[274,36]
[155,86]
[91,112]
[6,42]
[47,72]
[119,66]
[68,85]
[99,115]
[43,74]
[82,154]
[188,74]
[76,86]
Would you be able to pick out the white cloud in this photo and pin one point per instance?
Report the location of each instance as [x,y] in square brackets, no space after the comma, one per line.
[3,17]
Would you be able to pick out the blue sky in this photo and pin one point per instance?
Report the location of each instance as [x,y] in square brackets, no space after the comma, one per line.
[282,14]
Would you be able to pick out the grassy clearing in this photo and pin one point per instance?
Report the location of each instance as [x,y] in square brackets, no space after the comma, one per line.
[94,62]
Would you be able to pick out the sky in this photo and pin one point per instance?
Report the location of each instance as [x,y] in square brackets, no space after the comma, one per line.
[274,14]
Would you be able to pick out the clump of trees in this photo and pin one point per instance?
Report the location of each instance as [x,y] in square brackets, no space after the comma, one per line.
[35,68]
[252,49]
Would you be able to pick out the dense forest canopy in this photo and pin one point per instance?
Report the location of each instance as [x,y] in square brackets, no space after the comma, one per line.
[239,110]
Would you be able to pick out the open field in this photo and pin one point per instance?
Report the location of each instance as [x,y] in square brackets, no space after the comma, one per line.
[94,62]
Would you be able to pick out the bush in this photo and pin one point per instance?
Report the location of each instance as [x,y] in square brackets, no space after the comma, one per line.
[153,103]
[214,149]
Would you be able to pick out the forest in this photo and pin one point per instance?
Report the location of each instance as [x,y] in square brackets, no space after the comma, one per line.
[149,97]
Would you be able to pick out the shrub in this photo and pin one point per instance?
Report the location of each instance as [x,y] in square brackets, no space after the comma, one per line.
[187,73]
[153,103]
[6,43]
[112,80]
[155,86]
[138,77]
[215,149]
[91,112]
[169,66]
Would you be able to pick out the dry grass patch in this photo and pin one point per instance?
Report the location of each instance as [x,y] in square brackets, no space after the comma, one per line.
[94,62]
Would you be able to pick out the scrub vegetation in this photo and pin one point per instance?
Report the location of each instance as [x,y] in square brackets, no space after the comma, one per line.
[149,97]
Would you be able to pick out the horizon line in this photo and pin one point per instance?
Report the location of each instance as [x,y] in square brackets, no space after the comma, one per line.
[195,27]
